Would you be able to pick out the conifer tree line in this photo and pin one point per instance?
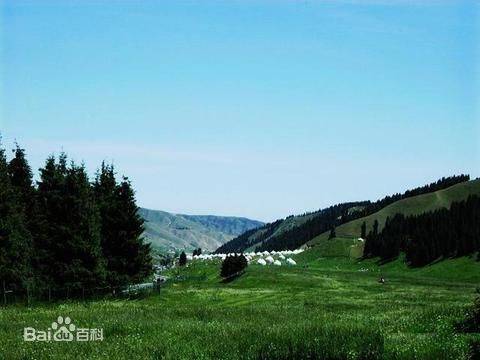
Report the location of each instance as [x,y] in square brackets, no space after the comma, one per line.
[66,231]
[325,220]
[430,236]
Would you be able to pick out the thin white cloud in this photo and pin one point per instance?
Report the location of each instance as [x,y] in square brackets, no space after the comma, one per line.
[82,150]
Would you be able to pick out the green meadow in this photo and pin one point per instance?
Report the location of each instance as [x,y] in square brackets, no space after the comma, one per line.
[328,308]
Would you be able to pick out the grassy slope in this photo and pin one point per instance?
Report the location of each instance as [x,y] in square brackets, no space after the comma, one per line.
[347,247]
[410,206]
[323,308]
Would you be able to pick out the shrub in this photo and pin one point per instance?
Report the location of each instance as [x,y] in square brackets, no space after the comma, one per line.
[233,265]
[471,324]
[474,353]
[183,259]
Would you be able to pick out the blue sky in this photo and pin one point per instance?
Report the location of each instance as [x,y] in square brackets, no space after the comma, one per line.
[255,108]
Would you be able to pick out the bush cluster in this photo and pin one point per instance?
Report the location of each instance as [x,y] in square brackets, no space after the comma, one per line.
[233,265]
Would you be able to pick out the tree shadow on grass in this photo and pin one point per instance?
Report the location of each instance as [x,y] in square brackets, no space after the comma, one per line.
[233,277]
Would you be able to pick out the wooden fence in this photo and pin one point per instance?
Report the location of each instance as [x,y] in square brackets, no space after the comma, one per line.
[29,294]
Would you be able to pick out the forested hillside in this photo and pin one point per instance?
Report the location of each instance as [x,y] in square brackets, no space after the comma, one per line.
[304,228]
[443,233]
[320,219]
[410,206]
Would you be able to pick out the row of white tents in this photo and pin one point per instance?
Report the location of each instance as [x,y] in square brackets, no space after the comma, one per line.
[270,260]
[262,258]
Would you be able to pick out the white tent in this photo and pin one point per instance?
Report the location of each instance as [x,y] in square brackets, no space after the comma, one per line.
[290,261]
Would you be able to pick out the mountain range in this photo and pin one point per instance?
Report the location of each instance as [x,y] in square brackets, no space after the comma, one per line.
[167,231]
[170,232]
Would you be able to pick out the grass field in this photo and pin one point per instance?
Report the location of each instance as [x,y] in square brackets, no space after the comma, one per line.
[329,308]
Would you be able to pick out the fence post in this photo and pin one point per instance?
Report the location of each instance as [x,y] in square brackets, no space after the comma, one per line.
[49,294]
[28,295]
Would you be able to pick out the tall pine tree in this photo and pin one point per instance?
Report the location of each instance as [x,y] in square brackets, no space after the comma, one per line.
[127,257]
[21,179]
[68,240]
[363,232]
[182,261]
[15,239]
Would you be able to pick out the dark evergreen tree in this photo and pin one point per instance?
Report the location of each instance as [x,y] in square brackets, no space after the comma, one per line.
[21,177]
[49,202]
[371,242]
[375,228]
[363,231]
[67,245]
[233,265]
[332,233]
[182,261]
[127,257]
[137,252]
[15,238]
[86,266]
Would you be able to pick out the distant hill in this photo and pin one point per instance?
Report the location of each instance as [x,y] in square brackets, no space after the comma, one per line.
[167,231]
[410,206]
